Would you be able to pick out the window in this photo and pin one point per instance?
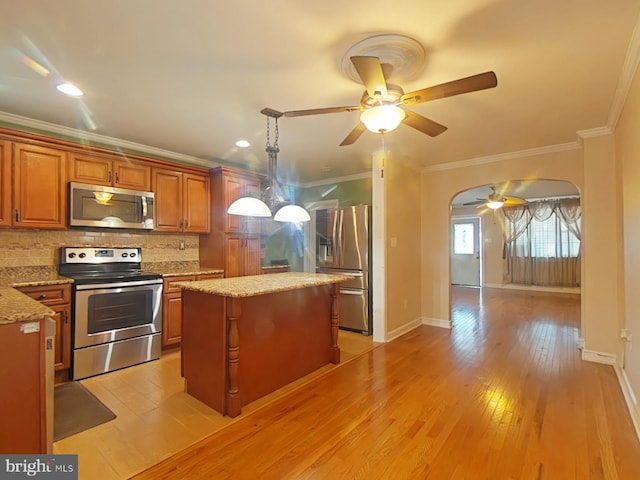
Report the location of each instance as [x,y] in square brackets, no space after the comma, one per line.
[549,238]
[463,239]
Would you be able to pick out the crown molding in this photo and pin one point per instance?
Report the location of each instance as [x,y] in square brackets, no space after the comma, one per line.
[594,132]
[81,135]
[631,61]
[562,147]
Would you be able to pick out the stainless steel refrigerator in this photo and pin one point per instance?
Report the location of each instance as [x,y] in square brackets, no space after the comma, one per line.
[342,246]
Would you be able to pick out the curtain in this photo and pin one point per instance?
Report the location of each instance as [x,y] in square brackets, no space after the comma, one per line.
[542,243]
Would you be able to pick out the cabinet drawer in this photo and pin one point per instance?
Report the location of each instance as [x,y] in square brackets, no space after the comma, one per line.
[49,294]
[168,283]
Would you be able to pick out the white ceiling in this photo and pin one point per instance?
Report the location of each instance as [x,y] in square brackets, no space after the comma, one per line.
[192,76]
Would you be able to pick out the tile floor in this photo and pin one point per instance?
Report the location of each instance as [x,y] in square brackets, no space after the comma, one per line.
[155,418]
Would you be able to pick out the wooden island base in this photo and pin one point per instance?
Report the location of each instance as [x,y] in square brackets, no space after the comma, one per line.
[238,349]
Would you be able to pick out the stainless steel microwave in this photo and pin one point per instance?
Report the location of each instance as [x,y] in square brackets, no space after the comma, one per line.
[109,207]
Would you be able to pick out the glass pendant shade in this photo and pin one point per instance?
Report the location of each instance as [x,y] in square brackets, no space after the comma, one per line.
[292,213]
[382,118]
[249,207]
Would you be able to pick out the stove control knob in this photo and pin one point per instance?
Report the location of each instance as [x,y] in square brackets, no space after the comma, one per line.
[72,255]
[132,254]
[124,255]
[82,255]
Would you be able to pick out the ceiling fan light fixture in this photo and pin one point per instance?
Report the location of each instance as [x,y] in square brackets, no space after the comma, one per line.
[292,213]
[382,118]
[249,207]
[495,204]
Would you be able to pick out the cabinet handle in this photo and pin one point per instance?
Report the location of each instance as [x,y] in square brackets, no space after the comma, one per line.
[42,296]
[117,178]
[66,317]
[109,176]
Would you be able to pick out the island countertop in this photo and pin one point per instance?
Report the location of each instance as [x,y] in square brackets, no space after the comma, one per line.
[18,307]
[253,285]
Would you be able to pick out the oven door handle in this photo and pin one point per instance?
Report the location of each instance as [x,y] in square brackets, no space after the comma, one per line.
[139,283]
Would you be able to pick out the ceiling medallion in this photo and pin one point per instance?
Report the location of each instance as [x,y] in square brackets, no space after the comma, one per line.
[405,54]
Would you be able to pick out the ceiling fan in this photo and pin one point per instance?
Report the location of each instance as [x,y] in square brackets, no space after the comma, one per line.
[382,103]
[496,200]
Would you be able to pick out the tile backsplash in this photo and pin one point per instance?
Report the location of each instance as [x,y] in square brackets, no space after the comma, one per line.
[30,248]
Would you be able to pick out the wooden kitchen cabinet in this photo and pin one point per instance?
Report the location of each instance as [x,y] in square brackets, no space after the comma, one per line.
[58,299]
[39,187]
[172,307]
[5,183]
[110,172]
[182,201]
[242,255]
[23,404]
[234,241]
[236,185]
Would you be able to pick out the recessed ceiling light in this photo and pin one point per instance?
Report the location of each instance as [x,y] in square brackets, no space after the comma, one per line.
[243,144]
[70,89]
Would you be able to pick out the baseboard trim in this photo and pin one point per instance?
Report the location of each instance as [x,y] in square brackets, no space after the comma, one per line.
[436,322]
[533,288]
[629,398]
[398,332]
[599,357]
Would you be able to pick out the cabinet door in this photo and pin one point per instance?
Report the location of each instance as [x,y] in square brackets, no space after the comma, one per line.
[133,176]
[233,188]
[88,169]
[252,224]
[172,315]
[62,353]
[39,194]
[234,256]
[252,258]
[197,204]
[5,183]
[167,185]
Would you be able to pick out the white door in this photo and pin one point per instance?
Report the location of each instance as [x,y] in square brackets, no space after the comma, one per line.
[465,251]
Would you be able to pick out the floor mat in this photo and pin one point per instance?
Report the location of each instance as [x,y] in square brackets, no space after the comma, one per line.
[76,409]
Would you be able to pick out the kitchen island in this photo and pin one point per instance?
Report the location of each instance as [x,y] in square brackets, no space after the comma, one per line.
[245,337]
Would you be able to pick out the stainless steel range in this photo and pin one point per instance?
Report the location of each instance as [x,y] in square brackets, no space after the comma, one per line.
[117,309]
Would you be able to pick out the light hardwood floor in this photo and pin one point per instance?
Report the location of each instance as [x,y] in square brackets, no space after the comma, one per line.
[503,395]
[155,418]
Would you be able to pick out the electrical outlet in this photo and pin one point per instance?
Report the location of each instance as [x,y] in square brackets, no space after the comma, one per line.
[625,334]
[181,245]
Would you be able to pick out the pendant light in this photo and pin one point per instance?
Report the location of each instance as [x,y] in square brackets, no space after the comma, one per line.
[272,200]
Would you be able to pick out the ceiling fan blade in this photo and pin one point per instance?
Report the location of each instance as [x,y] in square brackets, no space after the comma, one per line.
[513,201]
[477,202]
[354,135]
[270,112]
[319,111]
[370,71]
[423,124]
[480,81]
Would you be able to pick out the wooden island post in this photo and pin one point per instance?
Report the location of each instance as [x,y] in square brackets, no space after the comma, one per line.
[245,337]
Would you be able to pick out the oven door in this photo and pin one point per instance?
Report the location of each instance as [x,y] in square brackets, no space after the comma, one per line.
[110,312]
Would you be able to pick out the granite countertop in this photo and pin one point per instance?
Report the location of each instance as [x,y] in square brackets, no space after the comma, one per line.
[31,277]
[275,267]
[179,269]
[262,284]
[18,307]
